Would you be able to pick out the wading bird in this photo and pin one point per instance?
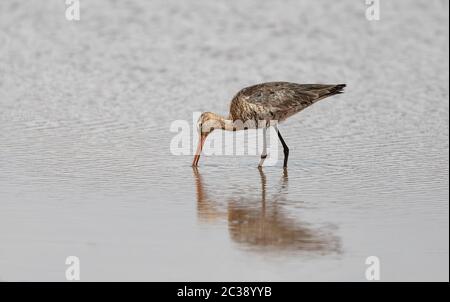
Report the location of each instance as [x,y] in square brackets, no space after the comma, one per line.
[264,102]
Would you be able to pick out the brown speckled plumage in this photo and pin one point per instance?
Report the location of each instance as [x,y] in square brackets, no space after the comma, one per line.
[277,100]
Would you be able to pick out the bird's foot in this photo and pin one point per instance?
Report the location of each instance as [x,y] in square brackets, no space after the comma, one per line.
[263,157]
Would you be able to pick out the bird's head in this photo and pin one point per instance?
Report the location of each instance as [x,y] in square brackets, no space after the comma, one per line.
[207,123]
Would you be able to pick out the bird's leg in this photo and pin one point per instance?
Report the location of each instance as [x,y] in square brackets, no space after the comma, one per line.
[285,148]
[264,152]
[263,190]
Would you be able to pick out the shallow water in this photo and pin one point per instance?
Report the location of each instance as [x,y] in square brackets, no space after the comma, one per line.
[86,169]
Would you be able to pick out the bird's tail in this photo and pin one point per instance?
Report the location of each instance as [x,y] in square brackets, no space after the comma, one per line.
[329,90]
[337,89]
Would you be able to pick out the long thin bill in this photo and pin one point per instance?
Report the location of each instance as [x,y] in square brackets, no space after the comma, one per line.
[201,140]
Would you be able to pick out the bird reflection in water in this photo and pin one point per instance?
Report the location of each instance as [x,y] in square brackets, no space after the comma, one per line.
[262,223]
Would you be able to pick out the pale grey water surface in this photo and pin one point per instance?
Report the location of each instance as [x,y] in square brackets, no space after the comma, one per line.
[86,169]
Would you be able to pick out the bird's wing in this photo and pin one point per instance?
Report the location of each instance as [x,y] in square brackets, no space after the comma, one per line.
[282,99]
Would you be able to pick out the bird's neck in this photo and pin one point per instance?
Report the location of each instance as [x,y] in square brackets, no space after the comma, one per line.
[226,124]
[229,125]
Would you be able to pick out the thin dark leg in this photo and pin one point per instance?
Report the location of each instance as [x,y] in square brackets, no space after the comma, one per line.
[285,149]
